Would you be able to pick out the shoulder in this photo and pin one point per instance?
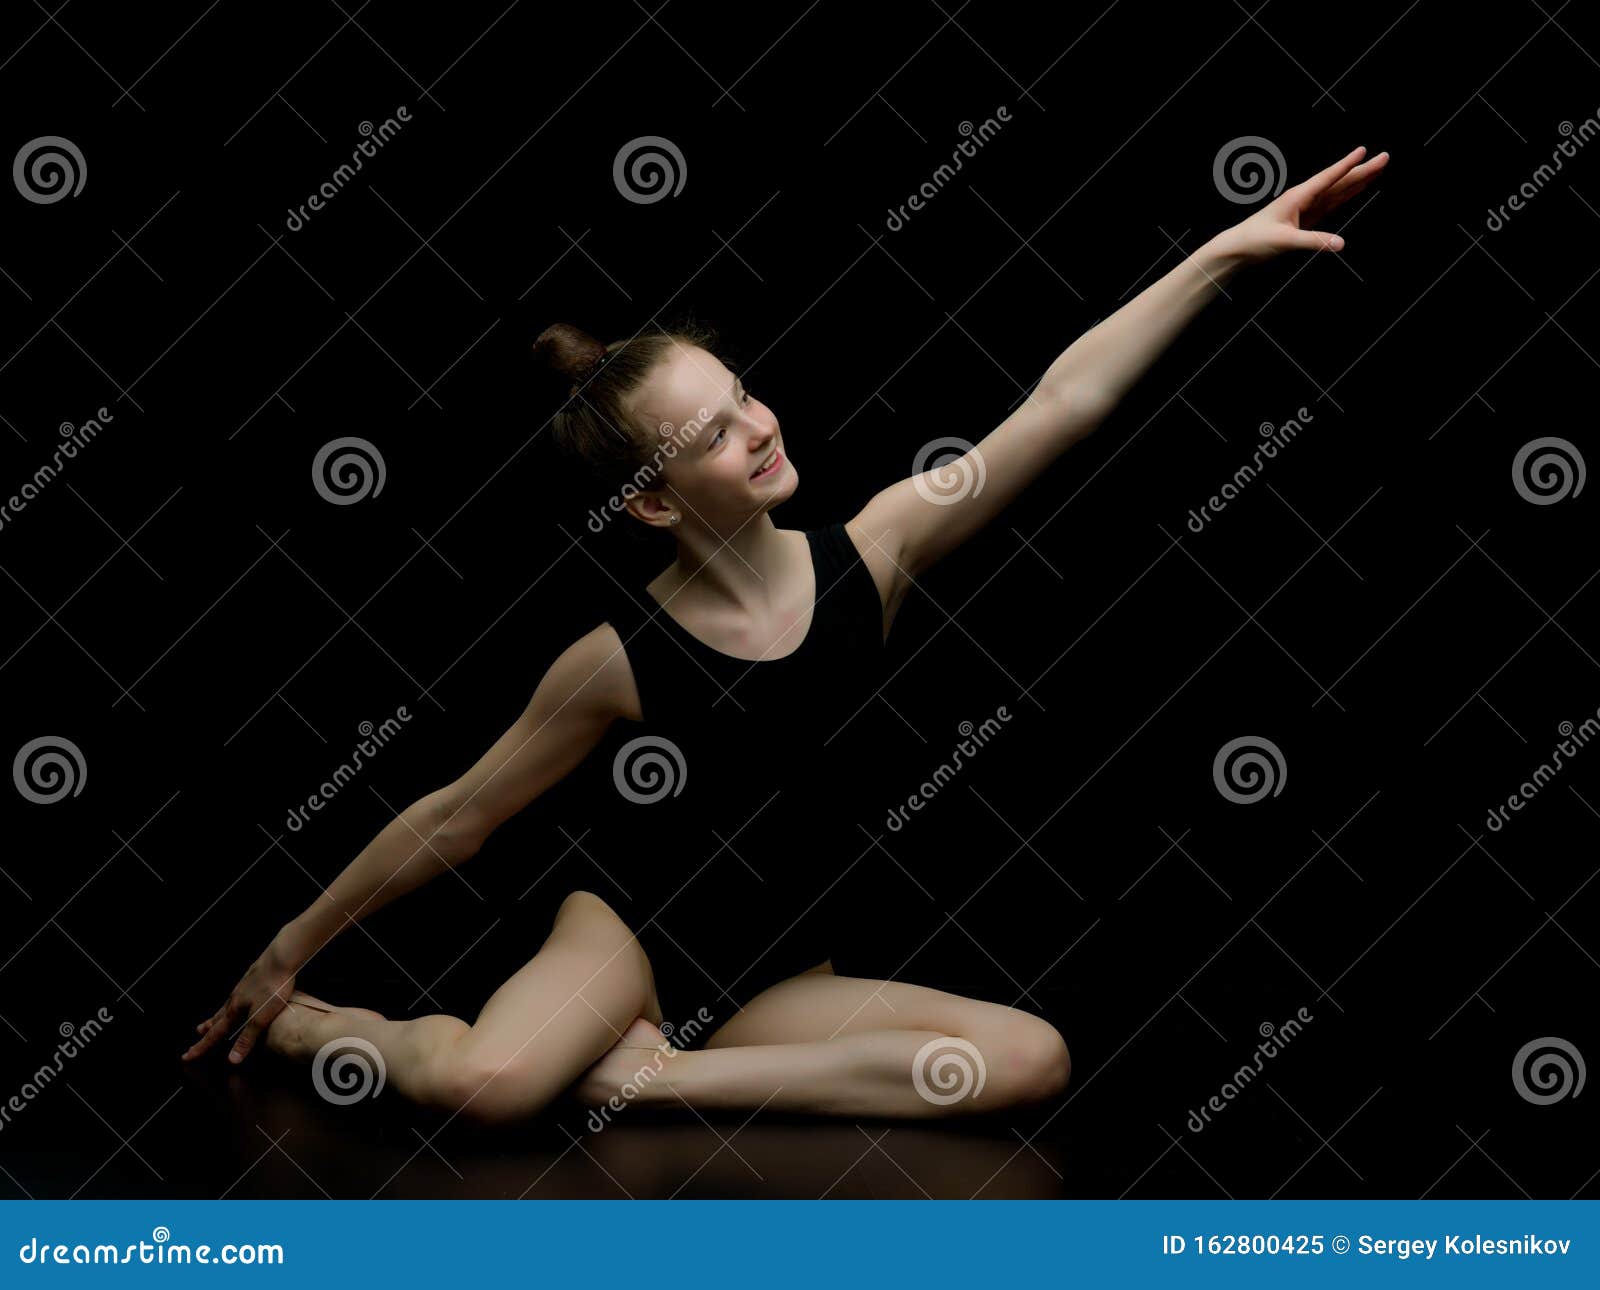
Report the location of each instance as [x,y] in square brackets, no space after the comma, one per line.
[593,676]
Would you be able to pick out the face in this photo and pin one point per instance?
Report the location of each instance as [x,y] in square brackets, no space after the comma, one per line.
[723,457]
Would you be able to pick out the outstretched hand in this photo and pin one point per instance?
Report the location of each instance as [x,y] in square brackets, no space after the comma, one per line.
[1288,222]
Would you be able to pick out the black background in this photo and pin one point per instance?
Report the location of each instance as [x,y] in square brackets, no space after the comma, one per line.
[1381,604]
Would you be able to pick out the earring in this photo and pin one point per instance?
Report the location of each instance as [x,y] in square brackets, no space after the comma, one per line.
[673,518]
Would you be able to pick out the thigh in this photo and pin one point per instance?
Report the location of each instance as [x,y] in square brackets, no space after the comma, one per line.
[589,980]
[818,1005]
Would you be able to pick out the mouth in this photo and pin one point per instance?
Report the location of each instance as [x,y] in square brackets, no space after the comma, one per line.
[772,464]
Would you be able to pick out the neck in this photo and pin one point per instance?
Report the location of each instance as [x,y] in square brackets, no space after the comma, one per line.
[740,568]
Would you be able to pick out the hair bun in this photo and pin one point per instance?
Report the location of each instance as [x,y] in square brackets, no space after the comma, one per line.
[568,350]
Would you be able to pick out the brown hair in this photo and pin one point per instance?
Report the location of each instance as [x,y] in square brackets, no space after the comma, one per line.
[594,425]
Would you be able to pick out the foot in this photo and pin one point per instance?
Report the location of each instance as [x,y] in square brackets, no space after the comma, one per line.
[299,1030]
[637,1059]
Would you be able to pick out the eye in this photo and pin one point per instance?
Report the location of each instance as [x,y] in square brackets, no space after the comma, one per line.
[721,430]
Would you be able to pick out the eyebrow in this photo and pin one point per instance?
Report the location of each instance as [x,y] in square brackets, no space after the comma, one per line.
[717,420]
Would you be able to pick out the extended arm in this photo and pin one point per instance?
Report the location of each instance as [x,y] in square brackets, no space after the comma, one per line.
[909,525]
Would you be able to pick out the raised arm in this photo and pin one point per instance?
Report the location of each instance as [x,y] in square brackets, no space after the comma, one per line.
[587,687]
[912,523]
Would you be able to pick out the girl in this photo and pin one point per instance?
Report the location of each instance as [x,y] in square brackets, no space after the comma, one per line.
[754,630]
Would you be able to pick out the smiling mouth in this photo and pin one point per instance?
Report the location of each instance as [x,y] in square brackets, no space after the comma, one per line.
[772,463]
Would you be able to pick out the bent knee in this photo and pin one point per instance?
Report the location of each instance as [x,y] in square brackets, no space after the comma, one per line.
[1029,1060]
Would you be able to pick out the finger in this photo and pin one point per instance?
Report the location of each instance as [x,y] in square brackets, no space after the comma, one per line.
[218,1028]
[1312,240]
[1325,179]
[1354,182]
[245,1042]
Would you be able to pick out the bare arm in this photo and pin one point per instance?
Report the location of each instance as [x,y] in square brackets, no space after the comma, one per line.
[584,690]
[914,522]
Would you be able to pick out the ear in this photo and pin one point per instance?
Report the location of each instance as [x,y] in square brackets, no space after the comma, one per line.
[652,507]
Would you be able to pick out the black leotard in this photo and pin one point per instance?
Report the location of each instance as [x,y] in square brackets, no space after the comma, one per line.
[737,860]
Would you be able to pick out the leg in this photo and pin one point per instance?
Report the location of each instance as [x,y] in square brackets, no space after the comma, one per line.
[850,1046]
[538,1032]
